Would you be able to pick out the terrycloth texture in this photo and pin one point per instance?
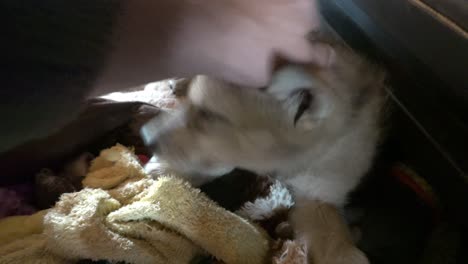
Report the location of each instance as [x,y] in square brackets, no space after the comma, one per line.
[101,228]
[22,241]
[112,167]
[31,249]
[89,225]
[137,220]
[18,227]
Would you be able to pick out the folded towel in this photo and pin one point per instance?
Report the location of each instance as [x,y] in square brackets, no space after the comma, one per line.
[85,225]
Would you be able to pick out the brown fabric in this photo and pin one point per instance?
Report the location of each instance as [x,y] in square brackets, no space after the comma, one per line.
[100,125]
[237,188]
[49,185]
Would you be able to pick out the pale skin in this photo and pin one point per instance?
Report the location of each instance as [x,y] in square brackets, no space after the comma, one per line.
[234,40]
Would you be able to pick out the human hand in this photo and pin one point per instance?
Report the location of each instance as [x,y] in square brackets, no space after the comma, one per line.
[235,40]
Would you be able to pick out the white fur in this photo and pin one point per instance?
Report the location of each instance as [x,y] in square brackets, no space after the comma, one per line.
[279,198]
[322,156]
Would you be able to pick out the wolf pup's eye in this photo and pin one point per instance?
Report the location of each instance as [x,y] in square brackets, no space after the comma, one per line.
[305,101]
[211,116]
[200,118]
[207,115]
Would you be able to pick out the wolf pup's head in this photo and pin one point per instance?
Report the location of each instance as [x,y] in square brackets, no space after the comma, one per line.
[303,110]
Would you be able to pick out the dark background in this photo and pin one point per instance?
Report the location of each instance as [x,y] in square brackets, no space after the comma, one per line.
[424,46]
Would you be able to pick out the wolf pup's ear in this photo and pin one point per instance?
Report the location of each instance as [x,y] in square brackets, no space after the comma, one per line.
[306,101]
[180,86]
[278,61]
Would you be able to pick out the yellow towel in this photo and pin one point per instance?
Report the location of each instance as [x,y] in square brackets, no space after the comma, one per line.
[112,167]
[139,220]
[18,227]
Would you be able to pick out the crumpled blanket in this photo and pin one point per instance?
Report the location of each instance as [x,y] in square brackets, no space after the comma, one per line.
[135,219]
